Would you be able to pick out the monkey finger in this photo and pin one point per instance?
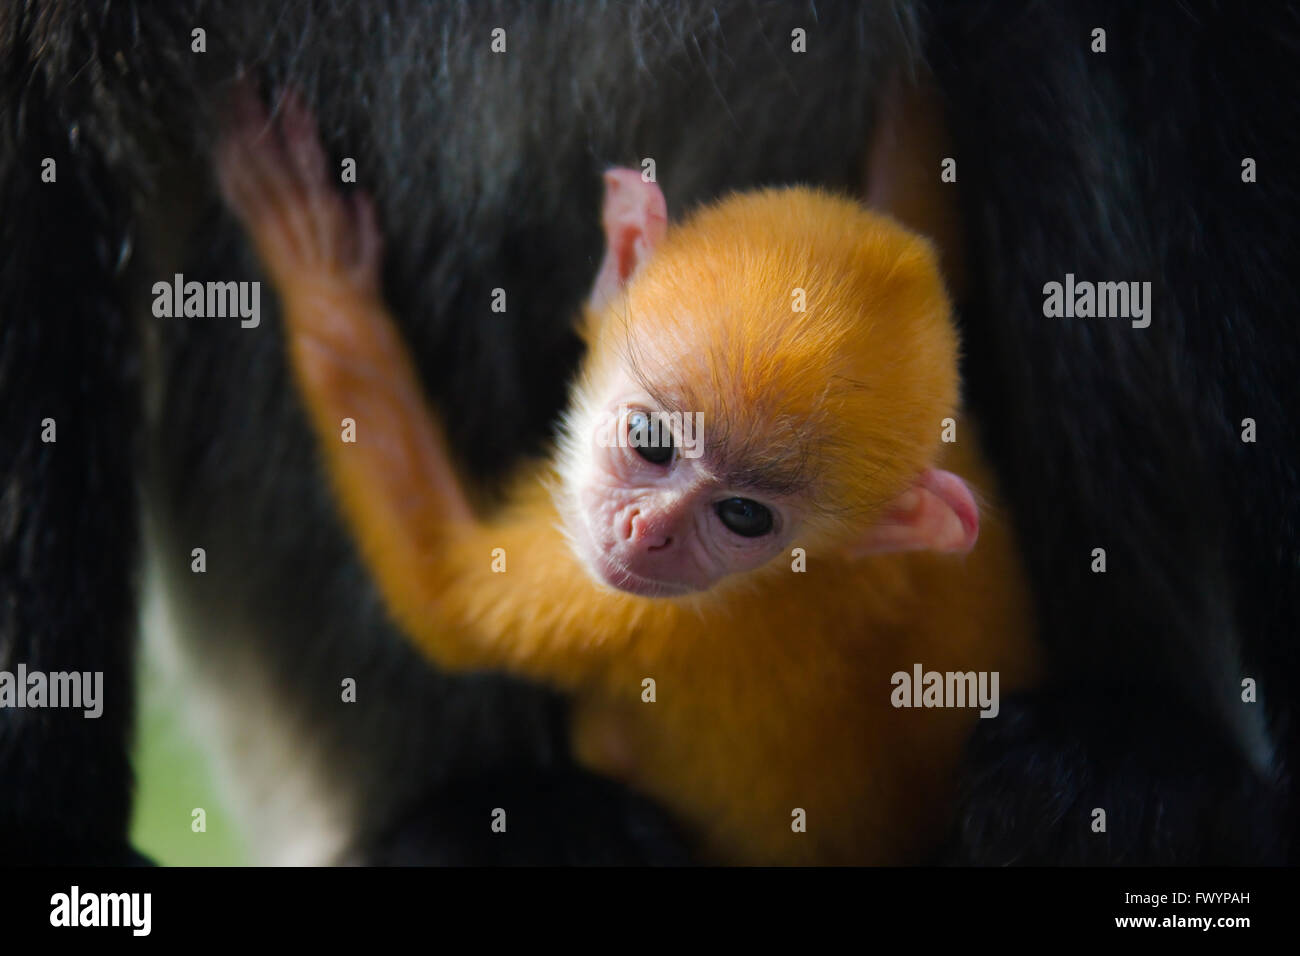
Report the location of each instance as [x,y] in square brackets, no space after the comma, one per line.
[369,242]
[232,181]
[259,202]
[283,201]
[273,144]
[243,169]
[301,140]
[244,109]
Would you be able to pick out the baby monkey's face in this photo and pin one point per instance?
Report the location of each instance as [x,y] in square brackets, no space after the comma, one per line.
[660,501]
[648,515]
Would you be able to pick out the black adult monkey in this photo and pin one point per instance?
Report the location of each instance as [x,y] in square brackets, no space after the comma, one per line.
[1131,164]
[1122,165]
[487,168]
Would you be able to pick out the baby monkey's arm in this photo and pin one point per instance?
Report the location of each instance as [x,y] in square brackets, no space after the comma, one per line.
[322,253]
[395,484]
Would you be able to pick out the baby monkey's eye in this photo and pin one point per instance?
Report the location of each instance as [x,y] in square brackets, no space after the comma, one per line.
[746,518]
[652,439]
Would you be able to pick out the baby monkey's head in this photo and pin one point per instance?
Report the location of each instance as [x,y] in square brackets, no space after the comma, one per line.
[772,373]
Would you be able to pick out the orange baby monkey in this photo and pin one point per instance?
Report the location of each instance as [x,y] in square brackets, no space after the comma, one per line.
[751,535]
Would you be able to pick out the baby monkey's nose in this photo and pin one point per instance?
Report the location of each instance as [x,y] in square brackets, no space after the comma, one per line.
[646,532]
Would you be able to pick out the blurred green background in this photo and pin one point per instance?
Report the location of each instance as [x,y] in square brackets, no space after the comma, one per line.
[173,777]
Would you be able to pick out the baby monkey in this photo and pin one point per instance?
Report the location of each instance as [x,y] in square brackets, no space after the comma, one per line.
[750,526]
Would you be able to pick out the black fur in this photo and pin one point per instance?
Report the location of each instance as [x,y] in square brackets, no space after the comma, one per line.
[552,818]
[1173,790]
[67,509]
[1127,166]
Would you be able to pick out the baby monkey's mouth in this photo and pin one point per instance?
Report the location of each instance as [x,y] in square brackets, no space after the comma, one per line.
[614,573]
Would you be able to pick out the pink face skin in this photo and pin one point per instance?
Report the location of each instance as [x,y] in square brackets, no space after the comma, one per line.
[654,529]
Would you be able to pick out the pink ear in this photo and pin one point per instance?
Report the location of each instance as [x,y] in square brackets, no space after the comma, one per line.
[635,218]
[938,513]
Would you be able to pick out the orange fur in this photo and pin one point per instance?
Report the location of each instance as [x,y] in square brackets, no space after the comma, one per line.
[773,690]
